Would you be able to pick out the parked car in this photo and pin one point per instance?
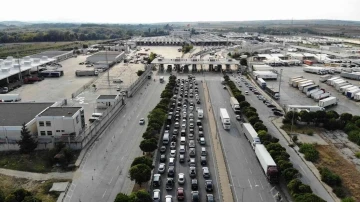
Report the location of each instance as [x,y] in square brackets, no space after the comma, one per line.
[181,178]
[180,194]
[142,121]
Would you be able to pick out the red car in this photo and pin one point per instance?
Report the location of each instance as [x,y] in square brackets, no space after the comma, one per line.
[180,194]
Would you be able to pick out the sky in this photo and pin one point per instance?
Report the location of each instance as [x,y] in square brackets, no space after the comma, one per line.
[154,11]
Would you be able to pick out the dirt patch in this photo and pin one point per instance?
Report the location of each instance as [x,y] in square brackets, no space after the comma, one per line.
[332,159]
[39,189]
[144,186]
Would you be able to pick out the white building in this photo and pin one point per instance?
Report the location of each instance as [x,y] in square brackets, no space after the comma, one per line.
[60,121]
[105,101]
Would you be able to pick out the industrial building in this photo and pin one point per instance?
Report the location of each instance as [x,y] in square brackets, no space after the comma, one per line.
[105,59]
[56,55]
[158,41]
[105,101]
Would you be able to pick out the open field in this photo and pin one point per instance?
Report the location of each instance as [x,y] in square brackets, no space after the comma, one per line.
[330,158]
[39,189]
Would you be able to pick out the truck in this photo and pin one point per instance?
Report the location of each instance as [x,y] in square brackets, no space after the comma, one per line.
[332,83]
[52,73]
[272,92]
[4,90]
[225,118]
[251,134]
[317,93]
[328,102]
[303,82]
[350,89]
[314,70]
[304,107]
[337,87]
[357,97]
[261,83]
[321,96]
[267,163]
[352,93]
[324,78]
[302,86]
[86,73]
[10,97]
[331,79]
[308,62]
[350,75]
[293,78]
[32,79]
[339,83]
[296,82]
[312,91]
[309,88]
[235,105]
[343,88]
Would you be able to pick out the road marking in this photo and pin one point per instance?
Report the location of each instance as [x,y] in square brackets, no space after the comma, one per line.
[261,197]
[250,170]
[238,182]
[111,180]
[117,168]
[250,183]
[104,193]
[261,184]
[256,185]
[124,115]
[302,169]
[246,160]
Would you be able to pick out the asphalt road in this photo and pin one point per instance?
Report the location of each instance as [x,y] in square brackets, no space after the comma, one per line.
[247,178]
[184,167]
[104,172]
[266,116]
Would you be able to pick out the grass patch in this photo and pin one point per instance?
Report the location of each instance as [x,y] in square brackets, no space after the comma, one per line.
[357,154]
[40,189]
[309,130]
[330,158]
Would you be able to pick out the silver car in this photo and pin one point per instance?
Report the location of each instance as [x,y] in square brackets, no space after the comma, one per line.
[161,168]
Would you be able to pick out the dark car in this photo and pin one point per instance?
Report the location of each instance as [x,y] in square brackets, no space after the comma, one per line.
[198,123]
[275,109]
[180,194]
[175,131]
[195,196]
[277,113]
[209,185]
[174,138]
[203,160]
[162,149]
[200,128]
[162,158]
[201,133]
[194,184]
[171,171]
[271,106]
[256,93]
[198,102]
[167,127]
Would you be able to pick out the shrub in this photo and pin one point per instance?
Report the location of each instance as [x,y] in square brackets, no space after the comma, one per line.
[339,192]
[310,133]
[348,199]
[311,154]
[357,154]
[295,138]
[329,177]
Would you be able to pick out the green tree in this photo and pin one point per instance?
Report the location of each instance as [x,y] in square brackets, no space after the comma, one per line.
[140,173]
[31,199]
[20,194]
[345,117]
[148,145]
[348,199]
[27,143]
[243,62]
[310,152]
[120,197]
[142,160]
[244,104]
[308,197]
[140,196]
[140,72]
[260,126]
[10,198]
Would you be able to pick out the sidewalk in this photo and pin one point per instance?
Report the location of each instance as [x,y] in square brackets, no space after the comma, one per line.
[36,176]
[224,182]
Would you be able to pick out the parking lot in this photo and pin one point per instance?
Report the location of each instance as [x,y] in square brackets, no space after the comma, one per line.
[185,138]
[292,96]
[55,89]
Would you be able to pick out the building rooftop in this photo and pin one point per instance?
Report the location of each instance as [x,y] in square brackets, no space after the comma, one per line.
[60,111]
[15,114]
[50,54]
[107,97]
[102,55]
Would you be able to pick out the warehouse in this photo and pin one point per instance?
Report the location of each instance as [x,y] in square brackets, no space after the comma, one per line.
[105,59]
[56,55]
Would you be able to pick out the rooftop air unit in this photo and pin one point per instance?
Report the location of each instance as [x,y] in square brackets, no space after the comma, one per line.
[5,69]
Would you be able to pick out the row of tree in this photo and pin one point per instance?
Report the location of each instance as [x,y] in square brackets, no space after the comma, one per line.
[19,195]
[141,167]
[330,120]
[299,191]
[138,196]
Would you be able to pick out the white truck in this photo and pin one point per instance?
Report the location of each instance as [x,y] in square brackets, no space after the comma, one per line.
[309,88]
[343,88]
[350,89]
[317,93]
[339,83]
[337,87]
[352,93]
[304,107]
[251,134]
[235,105]
[357,97]
[328,102]
[309,93]
[302,86]
[296,82]
[225,118]
[267,163]
[324,78]
[332,83]
[9,97]
[293,78]
[321,96]
[200,113]
[86,73]
[314,70]
[331,79]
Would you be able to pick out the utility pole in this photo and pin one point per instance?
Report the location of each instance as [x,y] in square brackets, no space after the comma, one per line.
[280,80]
[107,66]
[18,60]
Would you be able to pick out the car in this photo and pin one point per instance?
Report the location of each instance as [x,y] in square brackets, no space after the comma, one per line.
[201,133]
[183,120]
[192,152]
[162,149]
[169,183]
[184,114]
[203,160]
[181,158]
[191,115]
[181,178]
[183,126]
[162,157]
[182,149]
[173,153]
[238,117]
[191,95]
[191,144]
[198,123]
[172,145]
[177,125]
[210,198]
[246,92]
[198,102]
[180,98]
[156,195]
[194,184]
[200,128]
[191,108]
[195,196]
[209,185]
[167,127]
[271,106]
[171,171]
[276,109]
[192,172]
[202,141]
[277,113]
[256,93]
[224,87]
[206,172]
[191,136]
[175,131]
[185,106]
[174,138]
[161,168]
[142,121]
[180,194]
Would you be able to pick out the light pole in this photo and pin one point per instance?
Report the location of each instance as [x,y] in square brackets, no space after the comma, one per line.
[280,80]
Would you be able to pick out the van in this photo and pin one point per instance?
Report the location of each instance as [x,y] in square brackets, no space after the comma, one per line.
[182,140]
[92,119]
[157,180]
[166,138]
[203,151]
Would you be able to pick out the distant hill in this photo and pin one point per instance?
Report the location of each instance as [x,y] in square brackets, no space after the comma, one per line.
[14,23]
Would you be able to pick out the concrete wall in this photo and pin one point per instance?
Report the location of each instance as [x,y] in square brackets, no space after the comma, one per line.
[105,103]
[60,125]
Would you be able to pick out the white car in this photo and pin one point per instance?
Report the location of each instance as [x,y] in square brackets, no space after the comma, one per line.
[156,195]
[142,121]
[191,136]
[206,172]
[161,168]
[184,114]
[246,93]
[172,153]
[202,141]
[183,126]
[191,144]
[181,178]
